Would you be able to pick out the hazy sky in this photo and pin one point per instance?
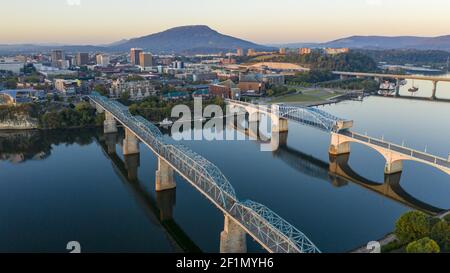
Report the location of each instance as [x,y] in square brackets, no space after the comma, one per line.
[262,21]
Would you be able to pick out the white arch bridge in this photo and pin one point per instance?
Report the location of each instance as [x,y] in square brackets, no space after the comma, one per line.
[341,136]
[270,230]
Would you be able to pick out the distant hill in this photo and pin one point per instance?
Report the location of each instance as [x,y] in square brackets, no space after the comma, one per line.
[192,39]
[202,39]
[185,39]
[384,42]
[32,48]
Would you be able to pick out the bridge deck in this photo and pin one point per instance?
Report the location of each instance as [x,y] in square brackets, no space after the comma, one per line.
[429,158]
[309,116]
[324,121]
[267,228]
[393,76]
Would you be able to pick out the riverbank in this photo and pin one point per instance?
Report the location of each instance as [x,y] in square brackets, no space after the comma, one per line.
[317,96]
[384,242]
[392,244]
[49,116]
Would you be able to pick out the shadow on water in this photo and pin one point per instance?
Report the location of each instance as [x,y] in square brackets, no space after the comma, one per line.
[339,173]
[21,146]
[159,210]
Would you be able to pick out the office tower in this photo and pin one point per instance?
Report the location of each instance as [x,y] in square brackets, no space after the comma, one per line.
[145,59]
[103,60]
[134,55]
[82,59]
[304,51]
[57,55]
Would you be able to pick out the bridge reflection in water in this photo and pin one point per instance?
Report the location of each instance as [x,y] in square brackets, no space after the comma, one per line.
[241,217]
[159,211]
[341,136]
[338,171]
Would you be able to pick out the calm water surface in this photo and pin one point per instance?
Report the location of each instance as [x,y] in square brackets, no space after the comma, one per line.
[63,186]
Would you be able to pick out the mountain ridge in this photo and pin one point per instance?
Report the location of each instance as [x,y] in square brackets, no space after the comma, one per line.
[383,42]
[193,39]
[188,38]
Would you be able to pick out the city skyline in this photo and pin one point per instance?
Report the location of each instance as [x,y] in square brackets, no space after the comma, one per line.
[102,22]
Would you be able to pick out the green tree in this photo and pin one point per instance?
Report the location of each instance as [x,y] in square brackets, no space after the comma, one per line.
[441,234]
[125,97]
[101,89]
[11,84]
[86,114]
[447,218]
[51,120]
[412,226]
[99,119]
[424,245]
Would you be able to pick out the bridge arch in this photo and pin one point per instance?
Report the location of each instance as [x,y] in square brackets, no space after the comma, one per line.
[390,187]
[393,154]
[309,116]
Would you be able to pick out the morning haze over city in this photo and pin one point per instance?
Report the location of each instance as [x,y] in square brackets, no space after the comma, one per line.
[232,127]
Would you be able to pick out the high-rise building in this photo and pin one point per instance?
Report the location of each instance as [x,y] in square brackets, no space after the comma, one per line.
[282,51]
[240,52]
[304,51]
[134,55]
[178,65]
[82,59]
[103,60]
[334,51]
[145,59]
[57,55]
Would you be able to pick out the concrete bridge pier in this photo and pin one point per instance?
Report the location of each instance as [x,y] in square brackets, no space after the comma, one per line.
[111,141]
[343,77]
[378,79]
[130,143]
[339,146]
[279,125]
[278,140]
[397,87]
[110,124]
[164,176]
[393,165]
[433,95]
[166,201]
[132,163]
[233,238]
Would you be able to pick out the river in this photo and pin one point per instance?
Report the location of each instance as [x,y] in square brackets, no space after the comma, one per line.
[426,87]
[63,186]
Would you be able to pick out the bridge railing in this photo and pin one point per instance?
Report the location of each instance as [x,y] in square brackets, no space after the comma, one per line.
[400,149]
[261,107]
[262,221]
[274,232]
[309,116]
